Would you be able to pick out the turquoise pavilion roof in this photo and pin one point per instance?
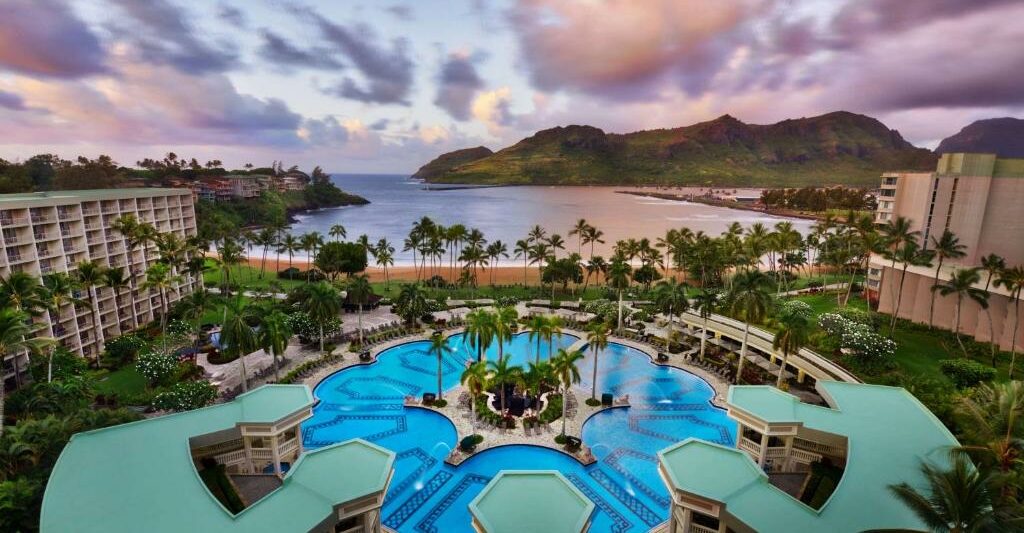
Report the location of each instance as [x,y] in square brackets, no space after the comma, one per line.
[531,500]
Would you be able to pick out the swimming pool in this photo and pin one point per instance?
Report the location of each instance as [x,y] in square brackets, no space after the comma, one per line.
[427,495]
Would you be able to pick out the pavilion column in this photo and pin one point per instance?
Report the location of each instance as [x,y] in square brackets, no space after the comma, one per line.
[247,446]
[763,455]
[800,375]
[687,521]
[275,454]
[787,453]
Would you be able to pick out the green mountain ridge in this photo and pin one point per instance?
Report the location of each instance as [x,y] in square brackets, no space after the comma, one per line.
[835,148]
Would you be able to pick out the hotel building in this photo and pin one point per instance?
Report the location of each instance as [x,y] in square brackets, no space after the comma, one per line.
[978,197]
[47,232]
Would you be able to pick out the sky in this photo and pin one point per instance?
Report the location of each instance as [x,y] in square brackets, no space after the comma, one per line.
[385,86]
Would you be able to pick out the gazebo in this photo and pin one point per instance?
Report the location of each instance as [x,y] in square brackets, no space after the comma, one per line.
[531,500]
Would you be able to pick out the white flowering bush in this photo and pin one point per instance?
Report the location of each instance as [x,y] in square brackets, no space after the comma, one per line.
[833,324]
[796,308]
[856,336]
[156,367]
[309,331]
[186,396]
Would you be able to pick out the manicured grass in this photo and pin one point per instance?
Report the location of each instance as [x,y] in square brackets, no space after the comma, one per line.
[249,277]
[126,381]
[826,302]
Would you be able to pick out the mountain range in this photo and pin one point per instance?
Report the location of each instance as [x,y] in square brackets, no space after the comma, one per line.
[835,148]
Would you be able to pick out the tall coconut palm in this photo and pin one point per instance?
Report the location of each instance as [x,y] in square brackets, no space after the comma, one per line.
[909,255]
[359,292]
[556,242]
[266,238]
[1013,280]
[618,278]
[961,284]
[897,233]
[411,303]
[522,249]
[384,253]
[504,319]
[439,348]
[992,264]
[794,333]
[230,254]
[537,324]
[705,302]
[495,251]
[323,304]
[17,333]
[289,245]
[502,375]
[991,418]
[136,235]
[552,328]
[59,293]
[537,234]
[749,300]
[593,236]
[90,276]
[194,305]
[479,332]
[947,246]
[338,232]
[579,230]
[237,337]
[273,338]
[474,378]
[597,339]
[957,500]
[159,278]
[565,365]
[117,281]
[670,298]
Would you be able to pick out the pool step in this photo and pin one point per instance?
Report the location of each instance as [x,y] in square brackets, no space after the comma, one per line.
[578,345]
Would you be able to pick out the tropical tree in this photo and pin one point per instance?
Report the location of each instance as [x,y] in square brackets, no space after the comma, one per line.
[359,292]
[479,331]
[565,366]
[59,292]
[1013,280]
[502,375]
[439,348]
[117,281]
[522,249]
[266,238]
[338,232]
[289,245]
[910,254]
[537,325]
[749,300]
[593,236]
[947,246]
[957,500]
[961,284]
[273,337]
[794,333]
[597,339]
[705,302]
[159,278]
[194,305]
[992,264]
[237,337]
[411,302]
[384,253]
[136,235]
[323,304]
[991,419]
[670,298]
[897,233]
[503,321]
[552,328]
[90,275]
[17,333]
[618,279]
[474,378]
[579,230]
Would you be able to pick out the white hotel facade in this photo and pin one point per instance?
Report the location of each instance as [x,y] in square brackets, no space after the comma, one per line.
[46,232]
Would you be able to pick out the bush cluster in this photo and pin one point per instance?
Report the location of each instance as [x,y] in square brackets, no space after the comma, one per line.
[966,373]
[186,396]
[157,367]
[857,336]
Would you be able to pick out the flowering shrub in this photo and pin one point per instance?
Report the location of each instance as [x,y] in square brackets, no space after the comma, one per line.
[856,336]
[179,328]
[856,315]
[309,331]
[186,396]
[833,324]
[796,309]
[123,349]
[156,367]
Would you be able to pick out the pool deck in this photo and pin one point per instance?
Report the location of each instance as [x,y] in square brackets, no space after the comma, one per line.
[462,418]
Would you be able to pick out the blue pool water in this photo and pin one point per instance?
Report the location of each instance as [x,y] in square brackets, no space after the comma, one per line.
[429,496]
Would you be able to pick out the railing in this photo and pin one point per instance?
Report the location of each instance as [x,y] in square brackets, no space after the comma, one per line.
[40,219]
[750,446]
[87,212]
[824,449]
[220,447]
[236,456]
[14,221]
[697,528]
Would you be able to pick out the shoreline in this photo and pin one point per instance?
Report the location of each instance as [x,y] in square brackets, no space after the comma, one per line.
[723,204]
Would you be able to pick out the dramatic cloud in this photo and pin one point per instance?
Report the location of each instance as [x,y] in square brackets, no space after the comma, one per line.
[167,36]
[387,71]
[492,109]
[620,47]
[279,51]
[401,12]
[458,83]
[232,15]
[11,101]
[44,37]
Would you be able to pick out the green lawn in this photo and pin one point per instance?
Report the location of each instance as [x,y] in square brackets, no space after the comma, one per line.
[826,302]
[124,382]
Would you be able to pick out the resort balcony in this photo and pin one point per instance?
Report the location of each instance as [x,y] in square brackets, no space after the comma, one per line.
[46,236]
[20,258]
[67,215]
[88,212]
[11,239]
[43,219]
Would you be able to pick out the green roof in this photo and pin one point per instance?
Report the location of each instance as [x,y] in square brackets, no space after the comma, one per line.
[889,434]
[140,476]
[86,195]
[531,500]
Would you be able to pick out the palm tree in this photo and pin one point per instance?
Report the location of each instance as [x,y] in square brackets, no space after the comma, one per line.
[947,246]
[618,279]
[411,303]
[17,333]
[910,255]
[565,367]
[116,279]
[992,264]
[503,319]
[501,375]
[597,339]
[273,337]
[552,328]
[961,283]
[705,302]
[792,336]
[897,233]
[474,378]
[237,337]
[266,238]
[159,277]
[359,292]
[495,251]
[957,500]
[338,232]
[439,348]
[195,305]
[749,300]
[556,243]
[1013,280]
[60,289]
[523,249]
[670,297]
[384,253]
[593,236]
[479,332]
[90,275]
[231,254]
[579,230]
[135,235]
[322,303]
[537,234]
[992,419]
[290,245]
[537,324]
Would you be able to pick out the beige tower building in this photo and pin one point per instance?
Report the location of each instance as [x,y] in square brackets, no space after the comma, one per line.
[47,232]
[980,198]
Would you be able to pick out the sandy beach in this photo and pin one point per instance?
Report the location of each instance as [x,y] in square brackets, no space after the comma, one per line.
[503,275]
